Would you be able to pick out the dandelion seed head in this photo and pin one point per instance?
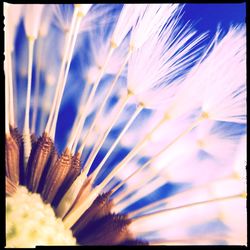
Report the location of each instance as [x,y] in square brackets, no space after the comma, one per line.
[136,124]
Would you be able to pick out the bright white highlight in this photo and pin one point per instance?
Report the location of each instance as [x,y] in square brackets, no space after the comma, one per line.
[126,21]
[32,19]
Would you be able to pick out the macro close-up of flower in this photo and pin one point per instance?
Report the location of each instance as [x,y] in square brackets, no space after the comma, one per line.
[125,124]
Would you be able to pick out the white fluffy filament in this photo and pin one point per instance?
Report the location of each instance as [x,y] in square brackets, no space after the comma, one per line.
[100,109]
[163,211]
[60,84]
[32,19]
[26,128]
[77,26]
[115,42]
[111,149]
[126,21]
[224,97]
[12,15]
[7,128]
[151,21]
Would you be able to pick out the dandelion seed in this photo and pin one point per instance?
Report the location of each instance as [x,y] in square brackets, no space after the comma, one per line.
[32,18]
[152,116]
[153,54]
[13,15]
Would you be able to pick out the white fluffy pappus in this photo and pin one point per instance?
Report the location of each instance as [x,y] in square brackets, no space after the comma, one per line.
[46,21]
[198,201]
[13,14]
[222,76]
[32,19]
[200,156]
[135,133]
[153,68]
[240,162]
[99,48]
[151,21]
[63,14]
[127,19]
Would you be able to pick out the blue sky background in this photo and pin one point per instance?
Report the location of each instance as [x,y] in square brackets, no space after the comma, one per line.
[207,17]
[210,15]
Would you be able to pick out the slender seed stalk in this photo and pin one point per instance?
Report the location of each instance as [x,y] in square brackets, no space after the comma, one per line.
[154,157]
[37,86]
[15,102]
[116,169]
[73,150]
[7,124]
[72,217]
[90,99]
[62,69]
[174,196]
[132,118]
[138,188]
[11,99]
[146,216]
[44,114]
[188,241]
[141,144]
[100,110]
[6,89]
[26,128]
[6,64]
[69,58]
[120,106]
[115,188]
[80,110]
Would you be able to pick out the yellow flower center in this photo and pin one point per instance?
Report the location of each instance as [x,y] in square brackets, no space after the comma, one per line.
[30,222]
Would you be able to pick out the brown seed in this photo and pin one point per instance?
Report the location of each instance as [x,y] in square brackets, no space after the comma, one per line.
[99,208]
[111,229]
[54,156]
[10,186]
[33,139]
[17,136]
[74,171]
[56,176]
[39,156]
[12,159]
